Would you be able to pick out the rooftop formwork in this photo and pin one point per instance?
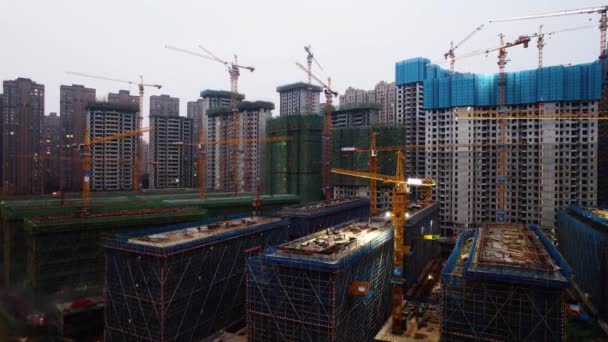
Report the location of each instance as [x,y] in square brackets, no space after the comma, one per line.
[504,282]
[183,282]
[312,217]
[333,285]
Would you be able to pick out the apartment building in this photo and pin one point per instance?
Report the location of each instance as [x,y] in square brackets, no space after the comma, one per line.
[410,113]
[550,164]
[73,100]
[112,162]
[171,152]
[296,98]
[248,153]
[22,122]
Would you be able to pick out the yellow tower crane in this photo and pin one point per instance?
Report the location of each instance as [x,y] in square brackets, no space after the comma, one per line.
[399,205]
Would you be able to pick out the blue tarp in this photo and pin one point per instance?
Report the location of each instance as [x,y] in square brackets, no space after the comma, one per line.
[581,82]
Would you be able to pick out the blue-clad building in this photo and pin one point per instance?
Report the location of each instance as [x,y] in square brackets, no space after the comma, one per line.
[582,236]
[551,154]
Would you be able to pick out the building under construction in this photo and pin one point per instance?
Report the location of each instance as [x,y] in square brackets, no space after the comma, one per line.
[504,282]
[184,282]
[54,246]
[582,236]
[333,285]
[294,165]
[312,217]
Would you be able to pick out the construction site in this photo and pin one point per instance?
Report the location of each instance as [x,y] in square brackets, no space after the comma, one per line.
[468,209]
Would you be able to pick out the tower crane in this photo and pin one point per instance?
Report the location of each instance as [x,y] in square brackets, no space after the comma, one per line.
[603,22]
[399,205]
[85,152]
[540,38]
[310,57]
[234,70]
[139,150]
[326,155]
[450,54]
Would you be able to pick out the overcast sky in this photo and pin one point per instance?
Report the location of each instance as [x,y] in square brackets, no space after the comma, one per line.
[357,42]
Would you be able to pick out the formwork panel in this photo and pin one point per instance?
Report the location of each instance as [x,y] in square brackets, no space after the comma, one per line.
[190,289]
[306,297]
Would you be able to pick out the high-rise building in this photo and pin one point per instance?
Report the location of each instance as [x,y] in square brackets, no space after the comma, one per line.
[198,110]
[550,164]
[410,113]
[171,145]
[384,94]
[353,96]
[51,145]
[147,165]
[112,162]
[23,113]
[294,98]
[72,116]
[252,126]
[164,105]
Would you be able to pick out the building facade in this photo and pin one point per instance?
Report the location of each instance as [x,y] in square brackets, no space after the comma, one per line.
[164,105]
[249,152]
[356,115]
[171,152]
[410,113]
[73,100]
[295,98]
[198,110]
[51,158]
[112,162]
[22,120]
[549,163]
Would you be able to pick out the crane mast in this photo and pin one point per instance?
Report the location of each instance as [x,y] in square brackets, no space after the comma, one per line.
[399,216]
[309,57]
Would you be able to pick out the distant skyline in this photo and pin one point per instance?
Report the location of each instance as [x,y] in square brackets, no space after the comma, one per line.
[356,42]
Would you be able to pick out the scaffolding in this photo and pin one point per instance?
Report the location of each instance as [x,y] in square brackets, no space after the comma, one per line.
[65,251]
[497,291]
[294,165]
[182,282]
[312,217]
[330,286]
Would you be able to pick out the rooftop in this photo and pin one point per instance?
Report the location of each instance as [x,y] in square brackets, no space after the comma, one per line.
[198,232]
[219,93]
[298,85]
[331,245]
[508,252]
[109,106]
[322,205]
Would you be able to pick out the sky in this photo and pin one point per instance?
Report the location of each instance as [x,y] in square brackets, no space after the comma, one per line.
[356,42]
